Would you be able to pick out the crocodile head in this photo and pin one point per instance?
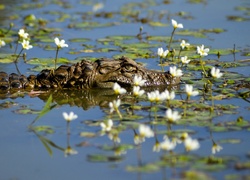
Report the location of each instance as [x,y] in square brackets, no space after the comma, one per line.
[122,71]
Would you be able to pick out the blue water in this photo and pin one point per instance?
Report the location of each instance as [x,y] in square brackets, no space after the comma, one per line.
[22,154]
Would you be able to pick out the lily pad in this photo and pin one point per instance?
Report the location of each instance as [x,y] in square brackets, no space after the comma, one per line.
[26,110]
[7,58]
[43,128]
[103,158]
[143,168]
[87,134]
[47,61]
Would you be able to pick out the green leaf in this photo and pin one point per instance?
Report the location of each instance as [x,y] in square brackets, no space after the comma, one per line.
[103,158]
[158,24]
[47,61]
[43,128]
[47,143]
[87,134]
[47,107]
[7,58]
[143,168]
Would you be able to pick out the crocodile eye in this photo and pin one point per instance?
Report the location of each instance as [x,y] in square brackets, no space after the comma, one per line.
[129,68]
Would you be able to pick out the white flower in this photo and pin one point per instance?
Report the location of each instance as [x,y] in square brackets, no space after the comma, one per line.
[69,151]
[107,126]
[191,144]
[176,25]
[167,145]
[216,148]
[97,7]
[118,89]
[157,147]
[138,81]
[216,73]
[114,105]
[175,72]
[60,44]
[151,96]
[184,44]
[145,131]
[184,60]
[201,51]
[23,34]
[2,43]
[26,45]
[69,117]
[168,95]
[189,91]
[162,53]
[176,140]
[138,139]
[172,116]
[137,92]
[156,96]
[114,137]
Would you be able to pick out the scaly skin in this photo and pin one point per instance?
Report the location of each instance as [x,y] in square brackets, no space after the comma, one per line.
[102,73]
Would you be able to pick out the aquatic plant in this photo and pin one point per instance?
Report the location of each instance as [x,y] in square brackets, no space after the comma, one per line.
[118,89]
[59,44]
[202,52]
[175,26]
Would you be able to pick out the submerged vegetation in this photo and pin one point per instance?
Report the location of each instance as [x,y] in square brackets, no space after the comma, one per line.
[170,121]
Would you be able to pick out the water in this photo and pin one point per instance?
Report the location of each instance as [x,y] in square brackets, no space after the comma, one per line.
[23,154]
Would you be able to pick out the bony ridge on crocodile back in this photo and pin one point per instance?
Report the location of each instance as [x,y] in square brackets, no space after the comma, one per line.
[102,73]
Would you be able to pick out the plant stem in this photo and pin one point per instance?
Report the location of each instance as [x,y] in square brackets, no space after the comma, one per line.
[201,62]
[118,112]
[19,73]
[179,58]
[170,41]
[68,128]
[10,27]
[162,69]
[16,45]
[185,107]
[168,103]
[57,50]
[18,55]
[212,99]
[161,60]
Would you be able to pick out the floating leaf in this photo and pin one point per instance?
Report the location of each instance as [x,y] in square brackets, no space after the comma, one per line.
[186,32]
[242,165]
[46,129]
[192,174]
[237,18]
[90,25]
[81,40]
[25,110]
[122,147]
[46,61]
[143,168]
[120,38]
[158,24]
[231,141]
[103,158]
[87,134]
[7,104]
[7,58]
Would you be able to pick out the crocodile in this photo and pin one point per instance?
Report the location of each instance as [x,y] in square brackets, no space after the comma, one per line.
[102,73]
